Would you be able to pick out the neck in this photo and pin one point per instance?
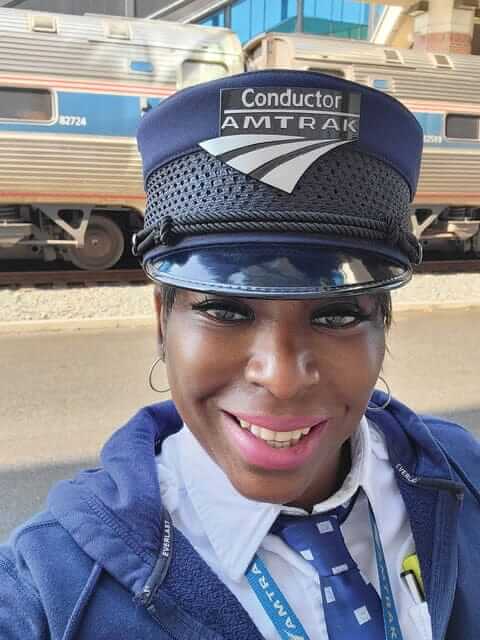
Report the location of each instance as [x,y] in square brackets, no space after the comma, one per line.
[331,482]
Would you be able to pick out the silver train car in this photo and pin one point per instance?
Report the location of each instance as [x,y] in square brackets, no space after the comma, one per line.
[73,89]
[72,92]
[443,90]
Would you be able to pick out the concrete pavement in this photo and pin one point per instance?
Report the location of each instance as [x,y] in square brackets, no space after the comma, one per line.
[63,394]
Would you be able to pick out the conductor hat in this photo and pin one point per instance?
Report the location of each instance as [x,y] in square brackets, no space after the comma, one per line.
[279,184]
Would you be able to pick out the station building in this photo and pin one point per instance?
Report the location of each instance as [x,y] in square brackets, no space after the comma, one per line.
[436,25]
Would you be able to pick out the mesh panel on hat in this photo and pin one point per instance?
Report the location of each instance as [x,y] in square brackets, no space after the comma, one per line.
[342,182]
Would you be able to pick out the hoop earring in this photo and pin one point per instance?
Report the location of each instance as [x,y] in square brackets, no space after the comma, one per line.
[386,403]
[152,369]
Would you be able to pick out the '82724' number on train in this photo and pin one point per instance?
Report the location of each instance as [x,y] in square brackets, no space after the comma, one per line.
[73,121]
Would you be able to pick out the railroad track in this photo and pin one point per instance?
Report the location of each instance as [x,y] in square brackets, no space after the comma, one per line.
[449,266]
[49,279]
[77,278]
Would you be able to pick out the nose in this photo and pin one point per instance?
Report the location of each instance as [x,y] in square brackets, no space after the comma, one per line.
[282,363]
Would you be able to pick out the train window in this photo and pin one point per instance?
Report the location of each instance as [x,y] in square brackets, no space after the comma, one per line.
[393,56]
[45,23]
[25,104]
[442,60]
[195,71]
[463,126]
[337,73]
[382,84]
[141,66]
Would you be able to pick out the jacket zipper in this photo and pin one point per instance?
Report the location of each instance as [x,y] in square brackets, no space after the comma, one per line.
[153,612]
[159,573]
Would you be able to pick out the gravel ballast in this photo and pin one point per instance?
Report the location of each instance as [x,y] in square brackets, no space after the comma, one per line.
[135,302]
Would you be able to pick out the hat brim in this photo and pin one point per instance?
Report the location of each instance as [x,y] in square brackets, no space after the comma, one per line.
[285,269]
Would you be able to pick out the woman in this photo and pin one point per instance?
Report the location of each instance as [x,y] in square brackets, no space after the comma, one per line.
[293,503]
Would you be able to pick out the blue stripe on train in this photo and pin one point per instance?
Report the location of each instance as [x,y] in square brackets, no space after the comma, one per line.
[433,125]
[91,114]
[116,115]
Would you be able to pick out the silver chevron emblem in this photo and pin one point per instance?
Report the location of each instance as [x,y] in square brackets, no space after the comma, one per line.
[275,159]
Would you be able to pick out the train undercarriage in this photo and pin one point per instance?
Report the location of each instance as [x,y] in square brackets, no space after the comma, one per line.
[96,238]
[452,231]
[91,238]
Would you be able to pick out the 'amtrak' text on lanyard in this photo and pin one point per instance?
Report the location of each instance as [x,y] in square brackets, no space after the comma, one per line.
[282,615]
[274,602]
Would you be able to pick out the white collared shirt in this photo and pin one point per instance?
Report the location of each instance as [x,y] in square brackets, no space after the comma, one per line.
[227,530]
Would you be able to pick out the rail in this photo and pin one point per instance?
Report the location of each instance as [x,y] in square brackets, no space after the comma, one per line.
[77,278]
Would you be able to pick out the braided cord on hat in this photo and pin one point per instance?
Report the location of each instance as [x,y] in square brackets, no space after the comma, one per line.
[346,194]
[170,231]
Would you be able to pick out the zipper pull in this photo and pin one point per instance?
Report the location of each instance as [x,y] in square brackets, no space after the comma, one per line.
[162,564]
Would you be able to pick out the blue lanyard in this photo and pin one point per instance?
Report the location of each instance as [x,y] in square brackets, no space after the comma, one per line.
[390,617]
[274,602]
[282,615]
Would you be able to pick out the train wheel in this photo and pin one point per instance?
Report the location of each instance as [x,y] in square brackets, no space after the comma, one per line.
[104,245]
[476,245]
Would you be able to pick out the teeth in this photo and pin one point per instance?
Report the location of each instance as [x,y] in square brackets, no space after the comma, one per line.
[276,439]
[265,434]
[282,445]
[284,436]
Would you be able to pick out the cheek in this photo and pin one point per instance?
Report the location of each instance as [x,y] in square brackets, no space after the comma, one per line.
[199,362]
[356,363]
[369,362]
[375,351]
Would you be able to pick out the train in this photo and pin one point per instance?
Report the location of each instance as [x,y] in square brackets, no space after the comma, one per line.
[72,92]
[443,92]
[74,88]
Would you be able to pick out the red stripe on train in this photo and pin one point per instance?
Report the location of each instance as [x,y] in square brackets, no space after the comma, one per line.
[53,82]
[39,194]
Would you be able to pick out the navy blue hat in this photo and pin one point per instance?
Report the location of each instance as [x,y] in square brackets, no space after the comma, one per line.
[282,184]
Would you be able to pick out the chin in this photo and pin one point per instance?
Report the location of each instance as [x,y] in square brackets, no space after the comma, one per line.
[259,491]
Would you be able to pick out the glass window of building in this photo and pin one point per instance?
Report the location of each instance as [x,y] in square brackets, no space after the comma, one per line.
[242,19]
[251,17]
[216,19]
[277,12]
[338,11]
[341,18]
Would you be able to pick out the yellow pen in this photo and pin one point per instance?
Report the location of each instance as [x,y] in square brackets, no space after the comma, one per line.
[412,576]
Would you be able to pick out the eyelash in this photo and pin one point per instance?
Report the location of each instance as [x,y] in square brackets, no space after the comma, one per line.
[243,315]
[357,318]
[225,307]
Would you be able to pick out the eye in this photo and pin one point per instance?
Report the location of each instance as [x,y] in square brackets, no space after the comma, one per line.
[340,318]
[226,315]
[223,311]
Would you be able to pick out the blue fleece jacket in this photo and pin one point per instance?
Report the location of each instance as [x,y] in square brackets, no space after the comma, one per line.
[103,562]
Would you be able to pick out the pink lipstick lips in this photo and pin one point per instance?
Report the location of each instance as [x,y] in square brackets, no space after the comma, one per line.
[275,442]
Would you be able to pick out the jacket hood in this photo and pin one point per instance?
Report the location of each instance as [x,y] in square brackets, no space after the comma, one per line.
[410,442]
[114,513]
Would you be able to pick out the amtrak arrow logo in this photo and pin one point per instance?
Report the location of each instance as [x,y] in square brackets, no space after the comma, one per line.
[275,134]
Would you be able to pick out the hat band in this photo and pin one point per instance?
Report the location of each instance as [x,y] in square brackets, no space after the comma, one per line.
[169,230]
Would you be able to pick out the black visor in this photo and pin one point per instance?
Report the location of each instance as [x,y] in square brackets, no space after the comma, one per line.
[310,268]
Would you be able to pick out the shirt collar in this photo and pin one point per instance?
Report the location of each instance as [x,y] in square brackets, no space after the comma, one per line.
[235,525]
